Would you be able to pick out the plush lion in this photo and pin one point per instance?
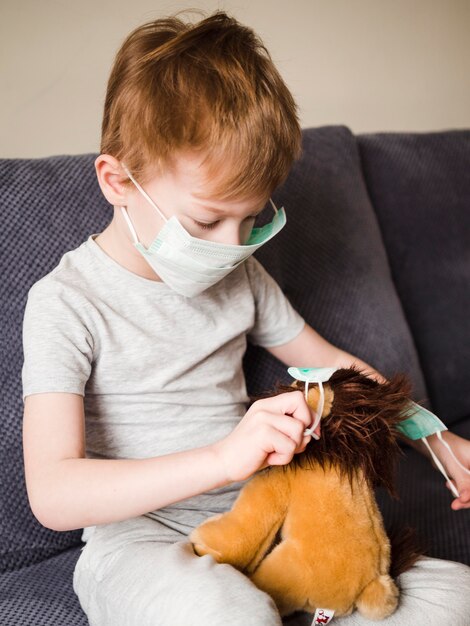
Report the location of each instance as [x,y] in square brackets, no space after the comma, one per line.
[310,533]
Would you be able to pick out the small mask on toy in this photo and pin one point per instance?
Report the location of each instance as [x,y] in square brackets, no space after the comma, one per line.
[317,375]
[420,423]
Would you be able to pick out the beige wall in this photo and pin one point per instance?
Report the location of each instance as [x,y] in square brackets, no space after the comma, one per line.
[373,65]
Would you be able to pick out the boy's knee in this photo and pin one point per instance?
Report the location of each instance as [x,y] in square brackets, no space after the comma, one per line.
[233,599]
[459,602]
[443,588]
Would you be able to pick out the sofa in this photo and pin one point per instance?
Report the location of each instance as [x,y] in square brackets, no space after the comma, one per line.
[375,255]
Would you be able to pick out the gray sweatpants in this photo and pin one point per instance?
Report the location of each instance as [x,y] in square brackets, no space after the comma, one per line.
[140,572]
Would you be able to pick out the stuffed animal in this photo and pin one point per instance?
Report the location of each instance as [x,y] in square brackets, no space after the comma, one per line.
[310,533]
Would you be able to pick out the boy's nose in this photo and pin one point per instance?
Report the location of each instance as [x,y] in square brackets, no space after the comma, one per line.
[230,236]
[235,241]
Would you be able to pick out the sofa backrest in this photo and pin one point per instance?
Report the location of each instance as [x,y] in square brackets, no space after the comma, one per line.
[330,259]
[419,184]
[331,262]
[50,206]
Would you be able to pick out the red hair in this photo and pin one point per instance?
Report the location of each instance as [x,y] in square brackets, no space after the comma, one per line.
[209,87]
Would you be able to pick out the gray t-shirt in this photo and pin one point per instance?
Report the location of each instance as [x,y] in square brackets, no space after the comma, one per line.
[159,372]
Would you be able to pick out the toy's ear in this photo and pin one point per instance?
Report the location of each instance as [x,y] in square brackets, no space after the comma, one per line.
[329,397]
[314,397]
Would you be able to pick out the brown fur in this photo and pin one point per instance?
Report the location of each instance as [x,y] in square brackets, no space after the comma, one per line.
[310,533]
[359,434]
[406,549]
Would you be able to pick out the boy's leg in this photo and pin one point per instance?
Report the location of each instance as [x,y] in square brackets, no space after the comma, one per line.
[139,572]
[433,592]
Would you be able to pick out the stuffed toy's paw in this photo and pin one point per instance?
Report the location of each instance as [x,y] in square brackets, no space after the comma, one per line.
[379,599]
[206,538]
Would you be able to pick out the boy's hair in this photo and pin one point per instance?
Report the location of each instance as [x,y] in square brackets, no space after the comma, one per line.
[210,87]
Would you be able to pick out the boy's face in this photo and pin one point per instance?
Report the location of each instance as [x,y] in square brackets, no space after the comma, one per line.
[180,192]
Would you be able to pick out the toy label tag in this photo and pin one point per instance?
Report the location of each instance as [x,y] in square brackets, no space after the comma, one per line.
[322,616]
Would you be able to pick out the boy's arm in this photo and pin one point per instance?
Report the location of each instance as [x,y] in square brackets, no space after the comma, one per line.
[67,491]
[309,349]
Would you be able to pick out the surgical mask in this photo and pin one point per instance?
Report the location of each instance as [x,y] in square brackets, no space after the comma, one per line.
[419,423]
[190,265]
[317,375]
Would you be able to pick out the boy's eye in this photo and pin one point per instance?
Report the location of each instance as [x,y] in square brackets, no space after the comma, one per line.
[205,226]
[209,226]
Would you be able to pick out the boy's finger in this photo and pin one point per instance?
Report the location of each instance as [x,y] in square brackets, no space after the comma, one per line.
[304,443]
[465,495]
[291,403]
[457,504]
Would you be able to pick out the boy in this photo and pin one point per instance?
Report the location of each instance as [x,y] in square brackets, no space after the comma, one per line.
[140,333]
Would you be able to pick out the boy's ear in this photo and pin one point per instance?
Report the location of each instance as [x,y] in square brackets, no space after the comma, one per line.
[111,175]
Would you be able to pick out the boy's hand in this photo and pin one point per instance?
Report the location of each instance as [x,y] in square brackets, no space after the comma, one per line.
[270,433]
[461,449]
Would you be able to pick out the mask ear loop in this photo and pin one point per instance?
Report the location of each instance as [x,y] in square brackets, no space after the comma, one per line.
[441,468]
[144,193]
[274,206]
[129,223]
[321,402]
[439,434]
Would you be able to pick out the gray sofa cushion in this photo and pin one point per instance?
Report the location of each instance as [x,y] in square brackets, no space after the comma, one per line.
[331,262]
[419,184]
[42,594]
[49,206]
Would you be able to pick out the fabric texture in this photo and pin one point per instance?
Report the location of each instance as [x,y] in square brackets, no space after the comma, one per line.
[49,206]
[419,184]
[42,594]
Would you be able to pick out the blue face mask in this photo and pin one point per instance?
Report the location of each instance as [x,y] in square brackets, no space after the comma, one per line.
[190,265]
[419,423]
